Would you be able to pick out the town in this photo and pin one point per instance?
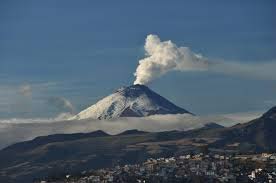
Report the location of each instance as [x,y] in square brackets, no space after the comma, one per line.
[186,168]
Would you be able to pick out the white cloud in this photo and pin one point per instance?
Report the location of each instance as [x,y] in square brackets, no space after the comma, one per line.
[15,130]
[164,56]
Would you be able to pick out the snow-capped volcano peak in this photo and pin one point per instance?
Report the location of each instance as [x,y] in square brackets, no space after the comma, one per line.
[132,101]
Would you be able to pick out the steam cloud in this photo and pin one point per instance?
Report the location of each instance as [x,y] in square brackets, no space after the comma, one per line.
[164,57]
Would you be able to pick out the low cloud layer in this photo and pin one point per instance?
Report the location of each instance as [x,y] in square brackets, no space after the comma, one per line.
[15,130]
[165,56]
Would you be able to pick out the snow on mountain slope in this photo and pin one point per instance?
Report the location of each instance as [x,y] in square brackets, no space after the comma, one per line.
[133,101]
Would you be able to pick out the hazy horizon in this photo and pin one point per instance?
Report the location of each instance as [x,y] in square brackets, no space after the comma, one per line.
[63,56]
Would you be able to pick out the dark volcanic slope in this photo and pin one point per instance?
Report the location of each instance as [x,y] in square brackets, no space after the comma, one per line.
[258,134]
[27,160]
[56,154]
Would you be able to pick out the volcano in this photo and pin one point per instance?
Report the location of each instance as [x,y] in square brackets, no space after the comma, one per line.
[132,101]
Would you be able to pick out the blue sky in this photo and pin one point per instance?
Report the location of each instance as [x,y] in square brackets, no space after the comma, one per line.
[81,51]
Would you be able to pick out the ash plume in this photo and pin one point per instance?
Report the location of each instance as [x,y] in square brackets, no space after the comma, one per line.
[162,57]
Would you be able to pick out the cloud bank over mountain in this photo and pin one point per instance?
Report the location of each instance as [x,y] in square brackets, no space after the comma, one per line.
[162,57]
[15,130]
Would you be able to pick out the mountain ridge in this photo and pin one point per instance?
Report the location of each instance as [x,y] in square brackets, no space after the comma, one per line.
[24,161]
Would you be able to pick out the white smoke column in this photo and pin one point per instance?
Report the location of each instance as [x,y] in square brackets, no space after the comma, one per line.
[163,57]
